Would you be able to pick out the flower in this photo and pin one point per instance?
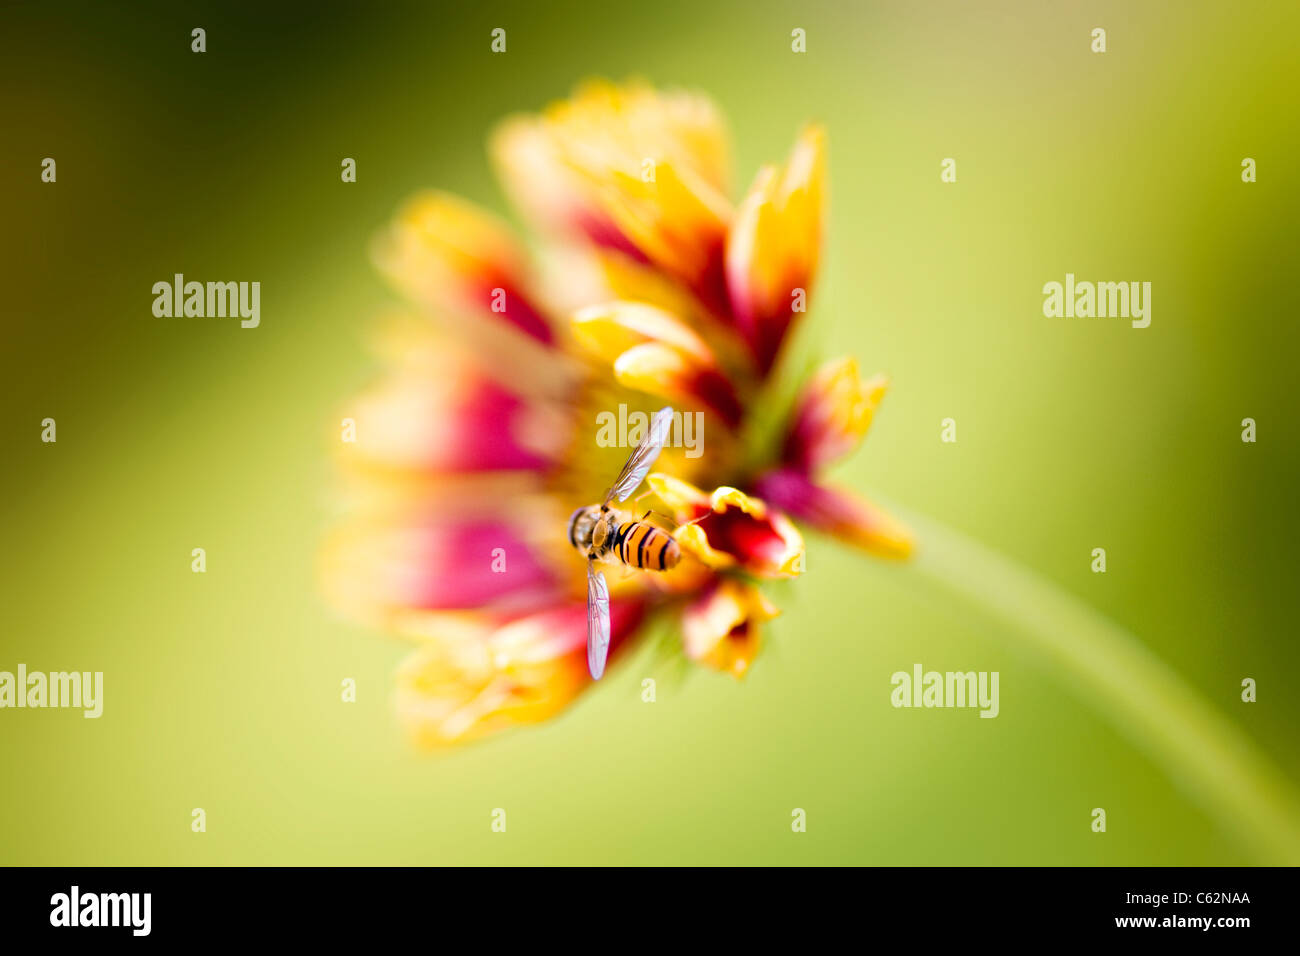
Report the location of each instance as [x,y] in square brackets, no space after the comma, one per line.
[464,460]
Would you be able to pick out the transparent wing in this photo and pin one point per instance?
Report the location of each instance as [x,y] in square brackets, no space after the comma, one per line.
[597,621]
[642,457]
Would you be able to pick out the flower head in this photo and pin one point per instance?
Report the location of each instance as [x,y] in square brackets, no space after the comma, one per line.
[481,437]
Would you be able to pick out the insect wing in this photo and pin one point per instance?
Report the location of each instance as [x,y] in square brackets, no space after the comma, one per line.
[597,621]
[642,457]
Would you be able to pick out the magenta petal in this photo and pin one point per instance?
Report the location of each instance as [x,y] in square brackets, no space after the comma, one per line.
[473,425]
[565,626]
[521,313]
[438,563]
[454,566]
[486,432]
[836,512]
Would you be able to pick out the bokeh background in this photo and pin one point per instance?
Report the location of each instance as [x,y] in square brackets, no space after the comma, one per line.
[222,689]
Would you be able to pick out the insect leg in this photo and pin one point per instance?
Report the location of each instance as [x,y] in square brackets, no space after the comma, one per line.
[695,520]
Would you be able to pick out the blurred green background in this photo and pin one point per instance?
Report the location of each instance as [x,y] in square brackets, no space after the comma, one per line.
[222,690]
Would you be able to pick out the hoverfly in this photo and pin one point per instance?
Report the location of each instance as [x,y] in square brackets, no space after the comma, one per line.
[602,534]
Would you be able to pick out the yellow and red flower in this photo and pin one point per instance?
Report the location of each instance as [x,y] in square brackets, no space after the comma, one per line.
[473,448]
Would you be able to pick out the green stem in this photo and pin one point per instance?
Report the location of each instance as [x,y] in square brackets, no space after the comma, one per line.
[1217,765]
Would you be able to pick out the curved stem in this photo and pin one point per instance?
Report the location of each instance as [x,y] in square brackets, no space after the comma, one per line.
[1217,765]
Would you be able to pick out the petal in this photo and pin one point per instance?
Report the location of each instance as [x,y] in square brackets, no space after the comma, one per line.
[632,169]
[726,496]
[832,415]
[655,353]
[669,373]
[601,276]
[774,243]
[373,568]
[472,680]
[722,629]
[682,497]
[550,161]
[837,512]
[455,421]
[770,546]
[450,255]
[677,223]
[406,341]
[610,329]
[694,541]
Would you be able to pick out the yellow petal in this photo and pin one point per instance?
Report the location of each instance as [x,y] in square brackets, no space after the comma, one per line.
[851,401]
[681,496]
[610,329]
[467,682]
[774,242]
[750,237]
[722,629]
[606,127]
[445,249]
[692,539]
[791,562]
[833,414]
[627,166]
[658,370]
[726,496]
[677,221]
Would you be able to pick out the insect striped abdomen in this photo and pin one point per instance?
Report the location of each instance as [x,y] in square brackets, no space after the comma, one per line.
[642,545]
